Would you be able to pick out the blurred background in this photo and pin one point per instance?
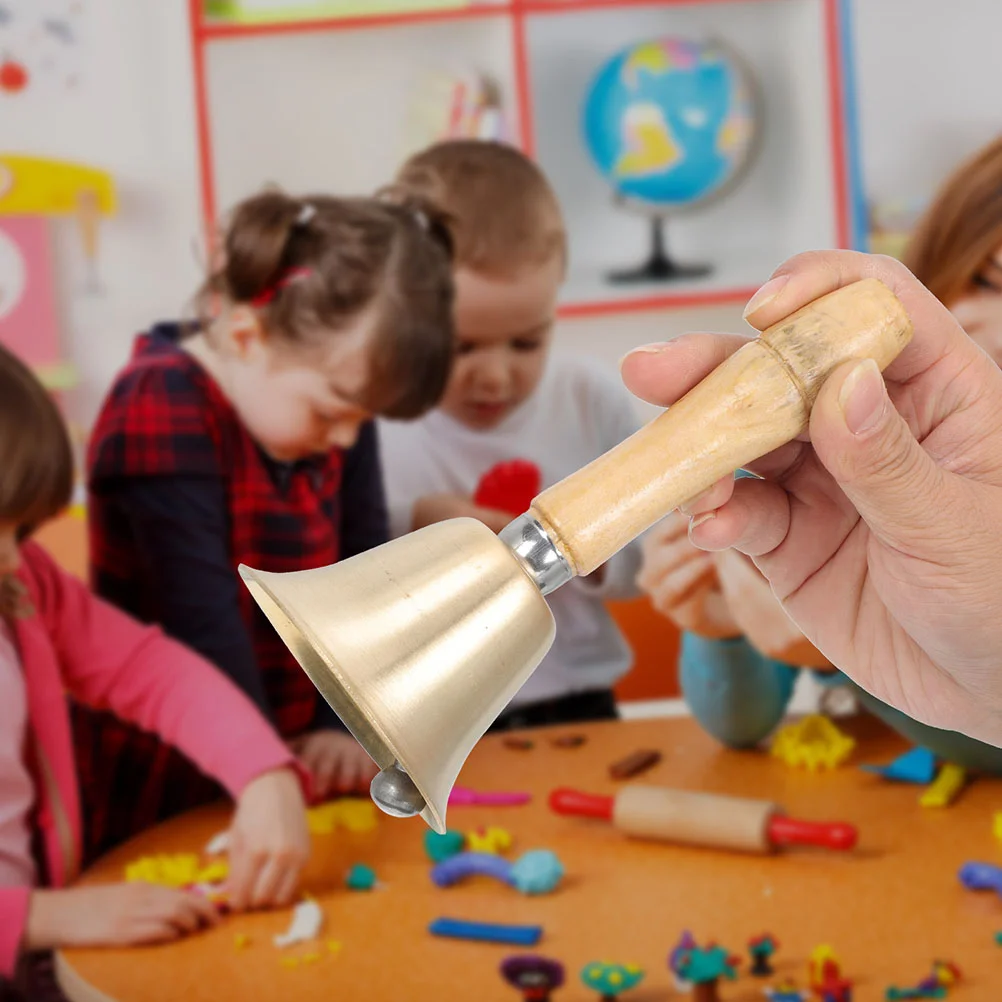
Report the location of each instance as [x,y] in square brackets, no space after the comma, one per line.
[127,129]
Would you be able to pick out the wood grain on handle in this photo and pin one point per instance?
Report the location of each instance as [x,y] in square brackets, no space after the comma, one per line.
[754,402]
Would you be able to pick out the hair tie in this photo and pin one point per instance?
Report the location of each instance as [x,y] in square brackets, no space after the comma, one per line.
[306,214]
[266,295]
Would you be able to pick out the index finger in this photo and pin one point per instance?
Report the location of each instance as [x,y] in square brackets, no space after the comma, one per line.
[814,274]
[243,873]
[190,911]
[324,768]
[269,880]
[673,526]
[664,373]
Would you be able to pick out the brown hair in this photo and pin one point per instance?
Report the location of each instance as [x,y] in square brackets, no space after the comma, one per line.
[503,212]
[961,229]
[312,265]
[36,457]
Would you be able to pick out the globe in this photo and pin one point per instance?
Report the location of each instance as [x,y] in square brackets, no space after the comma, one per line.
[670,123]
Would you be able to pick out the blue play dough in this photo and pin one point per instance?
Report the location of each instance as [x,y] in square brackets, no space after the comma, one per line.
[487,932]
[441,847]
[981,877]
[537,872]
[915,766]
[361,878]
[467,864]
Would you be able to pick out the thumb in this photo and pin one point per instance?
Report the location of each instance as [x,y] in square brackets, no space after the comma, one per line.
[868,448]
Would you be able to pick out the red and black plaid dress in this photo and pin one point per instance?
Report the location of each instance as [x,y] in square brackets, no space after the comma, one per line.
[165,419]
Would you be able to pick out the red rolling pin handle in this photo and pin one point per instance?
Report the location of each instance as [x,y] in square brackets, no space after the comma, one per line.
[584,805]
[831,835]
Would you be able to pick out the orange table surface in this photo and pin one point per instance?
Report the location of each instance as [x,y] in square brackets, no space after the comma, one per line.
[889,909]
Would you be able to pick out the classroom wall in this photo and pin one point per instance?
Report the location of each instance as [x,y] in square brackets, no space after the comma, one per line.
[923,105]
[131,115]
[930,88]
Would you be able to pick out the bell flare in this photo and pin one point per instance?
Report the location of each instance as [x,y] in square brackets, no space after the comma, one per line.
[417,645]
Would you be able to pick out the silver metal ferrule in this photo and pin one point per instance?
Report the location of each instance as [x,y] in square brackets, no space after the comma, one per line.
[537,553]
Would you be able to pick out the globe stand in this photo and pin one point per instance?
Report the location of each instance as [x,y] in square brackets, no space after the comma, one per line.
[659,267]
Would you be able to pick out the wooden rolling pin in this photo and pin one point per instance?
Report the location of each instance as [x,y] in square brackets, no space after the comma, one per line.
[703,819]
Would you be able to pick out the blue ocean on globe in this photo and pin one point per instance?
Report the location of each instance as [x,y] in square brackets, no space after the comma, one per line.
[669,122]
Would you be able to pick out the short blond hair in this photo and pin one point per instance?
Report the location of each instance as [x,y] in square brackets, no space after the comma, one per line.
[502,211]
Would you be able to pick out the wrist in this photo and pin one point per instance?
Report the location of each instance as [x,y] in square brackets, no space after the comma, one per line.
[42,930]
[707,628]
[278,776]
[294,775]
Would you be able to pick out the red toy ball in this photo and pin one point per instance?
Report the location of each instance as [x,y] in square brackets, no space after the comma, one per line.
[509,486]
[13,76]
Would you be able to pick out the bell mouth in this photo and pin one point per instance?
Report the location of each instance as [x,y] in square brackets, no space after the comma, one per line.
[330,682]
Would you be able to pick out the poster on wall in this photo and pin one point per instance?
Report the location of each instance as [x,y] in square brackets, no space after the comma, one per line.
[41,46]
[28,322]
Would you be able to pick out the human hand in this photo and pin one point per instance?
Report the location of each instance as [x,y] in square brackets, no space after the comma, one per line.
[759,614]
[439,507]
[682,582]
[269,842]
[880,531]
[114,915]
[336,762]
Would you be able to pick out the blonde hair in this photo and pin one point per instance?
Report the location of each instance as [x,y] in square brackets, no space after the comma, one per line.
[961,229]
[502,212]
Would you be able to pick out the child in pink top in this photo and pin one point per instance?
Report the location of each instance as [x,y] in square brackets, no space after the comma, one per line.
[56,639]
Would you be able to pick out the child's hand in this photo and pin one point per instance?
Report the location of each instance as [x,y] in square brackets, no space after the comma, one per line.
[682,581]
[336,761]
[440,507]
[269,842]
[759,614]
[114,915]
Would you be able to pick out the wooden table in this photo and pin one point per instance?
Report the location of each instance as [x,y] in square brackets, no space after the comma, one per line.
[888,910]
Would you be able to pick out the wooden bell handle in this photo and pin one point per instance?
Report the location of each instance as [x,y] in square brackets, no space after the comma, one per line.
[757,400]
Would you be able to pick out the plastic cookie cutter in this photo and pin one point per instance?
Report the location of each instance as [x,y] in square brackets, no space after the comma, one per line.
[814,743]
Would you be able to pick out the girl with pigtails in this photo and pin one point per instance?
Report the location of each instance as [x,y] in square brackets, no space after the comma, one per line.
[246,436]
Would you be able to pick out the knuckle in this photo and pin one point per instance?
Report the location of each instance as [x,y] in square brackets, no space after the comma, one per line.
[886,263]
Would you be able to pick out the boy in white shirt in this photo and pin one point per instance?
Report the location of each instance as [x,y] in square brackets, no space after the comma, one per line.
[509,398]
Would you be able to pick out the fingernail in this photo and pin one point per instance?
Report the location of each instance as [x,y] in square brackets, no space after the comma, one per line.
[645,349]
[697,520]
[766,294]
[686,506]
[863,397]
